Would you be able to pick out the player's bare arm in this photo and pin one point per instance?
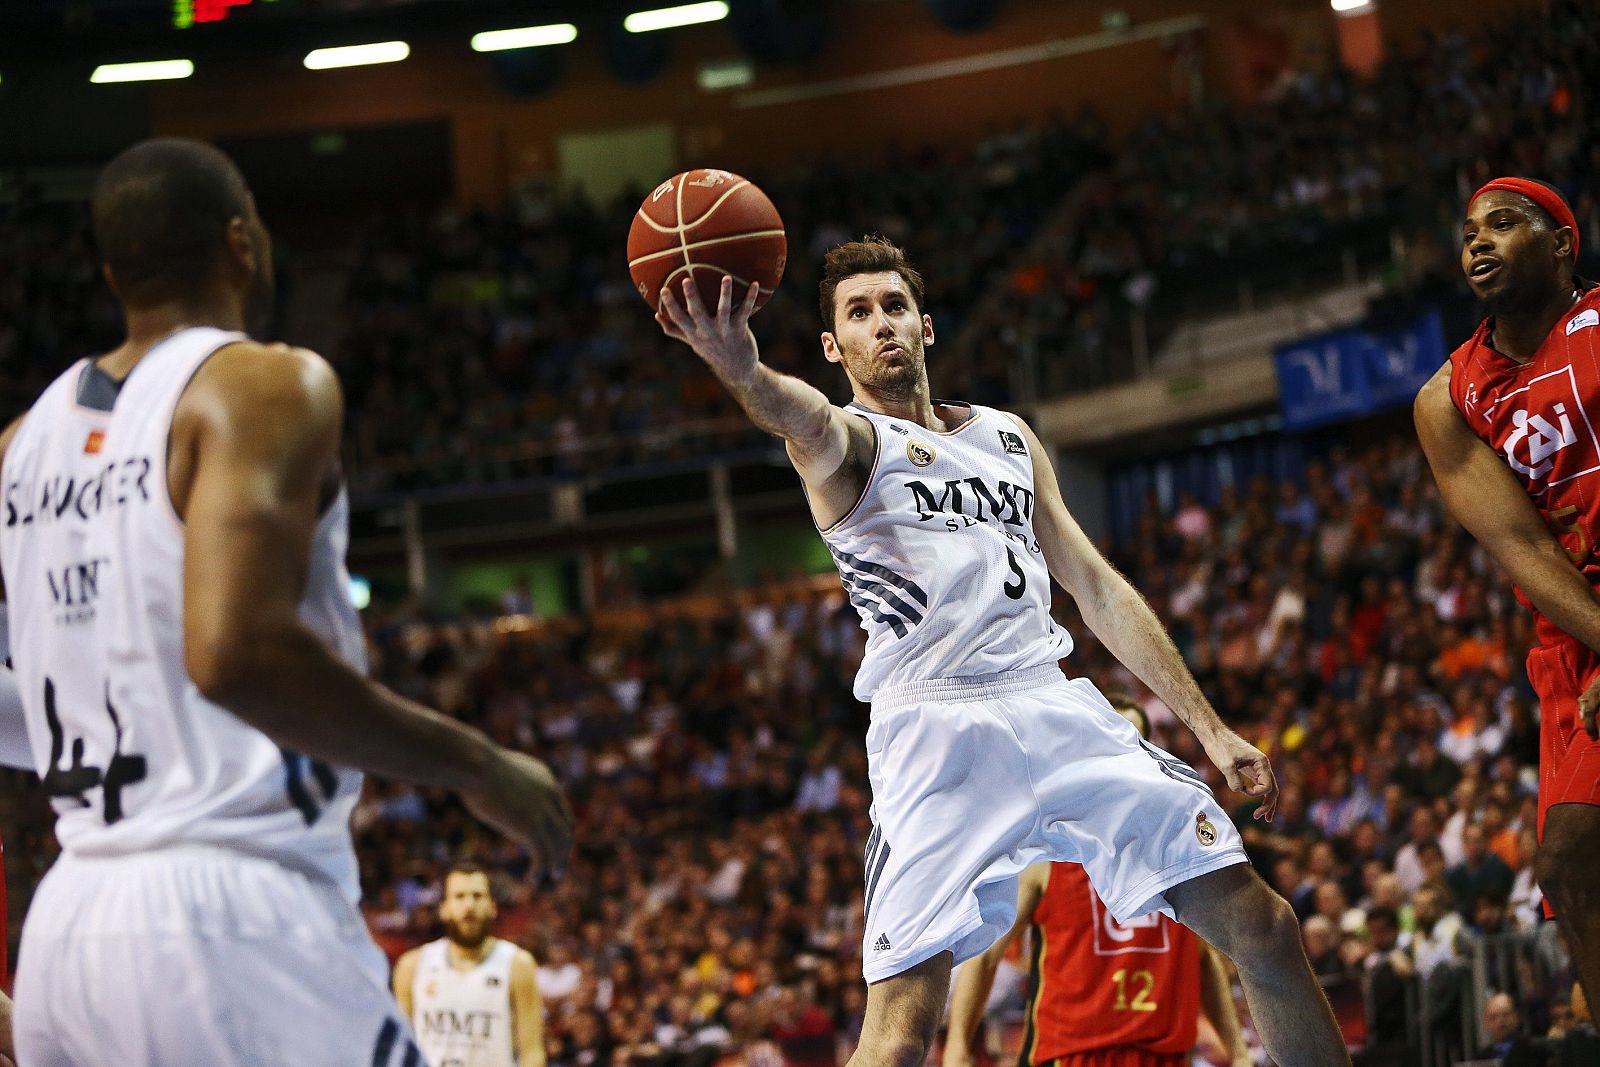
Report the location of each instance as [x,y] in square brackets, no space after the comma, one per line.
[527,1010]
[1122,619]
[1486,498]
[253,443]
[405,975]
[1216,1002]
[975,980]
[830,448]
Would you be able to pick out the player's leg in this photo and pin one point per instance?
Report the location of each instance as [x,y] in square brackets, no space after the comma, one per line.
[1246,921]
[903,1014]
[1569,803]
[1150,834]
[1567,872]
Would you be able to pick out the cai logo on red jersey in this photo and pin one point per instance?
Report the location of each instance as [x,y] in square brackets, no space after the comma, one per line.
[1545,419]
[1147,933]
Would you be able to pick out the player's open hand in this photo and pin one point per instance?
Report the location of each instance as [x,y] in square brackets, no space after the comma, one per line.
[521,798]
[1247,769]
[722,337]
[1588,703]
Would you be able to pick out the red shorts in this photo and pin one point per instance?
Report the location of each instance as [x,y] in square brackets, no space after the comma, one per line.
[1569,759]
[1121,1056]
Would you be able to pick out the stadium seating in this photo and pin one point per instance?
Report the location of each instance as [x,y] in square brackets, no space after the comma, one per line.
[711,744]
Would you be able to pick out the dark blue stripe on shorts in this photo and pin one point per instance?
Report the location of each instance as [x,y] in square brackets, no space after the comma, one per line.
[385,1046]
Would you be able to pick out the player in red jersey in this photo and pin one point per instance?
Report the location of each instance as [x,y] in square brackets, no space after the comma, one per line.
[1509,426]
[1100,994]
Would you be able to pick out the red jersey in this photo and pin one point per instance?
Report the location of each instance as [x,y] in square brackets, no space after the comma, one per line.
[1541,417]
[1098,984]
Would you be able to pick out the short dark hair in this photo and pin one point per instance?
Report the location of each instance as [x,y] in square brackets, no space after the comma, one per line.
[161,212]
[870,255]
[466,867]
[1385,914]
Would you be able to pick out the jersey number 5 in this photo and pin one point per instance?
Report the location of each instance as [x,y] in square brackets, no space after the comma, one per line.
[1015,591]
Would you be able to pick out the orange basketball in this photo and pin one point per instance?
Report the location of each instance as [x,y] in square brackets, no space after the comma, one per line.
[706,224]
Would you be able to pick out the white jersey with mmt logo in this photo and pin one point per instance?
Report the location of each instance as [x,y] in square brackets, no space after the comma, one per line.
[939,556]
[132,756]
[463,1018]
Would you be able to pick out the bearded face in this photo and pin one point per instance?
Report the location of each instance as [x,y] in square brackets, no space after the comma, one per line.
[1511,256]
[879,335]
[468,909]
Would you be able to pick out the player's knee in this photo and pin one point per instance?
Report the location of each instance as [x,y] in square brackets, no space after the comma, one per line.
[1566,872]
[1548,867]
[892,1050]
[1267,927]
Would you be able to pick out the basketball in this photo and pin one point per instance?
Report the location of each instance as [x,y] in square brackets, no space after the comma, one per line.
[707,224]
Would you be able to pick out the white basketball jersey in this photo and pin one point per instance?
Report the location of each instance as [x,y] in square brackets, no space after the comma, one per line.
[132,756]
[939,555]
[463,1018]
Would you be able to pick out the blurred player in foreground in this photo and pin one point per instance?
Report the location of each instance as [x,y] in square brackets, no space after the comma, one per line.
[192,672]
[947,525]
[1508,426]
[1101,994]
[472,997]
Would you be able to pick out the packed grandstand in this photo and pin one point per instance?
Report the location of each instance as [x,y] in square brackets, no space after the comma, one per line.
[1336,615]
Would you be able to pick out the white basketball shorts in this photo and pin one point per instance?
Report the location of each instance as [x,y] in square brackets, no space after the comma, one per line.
[205,957]
[975,779]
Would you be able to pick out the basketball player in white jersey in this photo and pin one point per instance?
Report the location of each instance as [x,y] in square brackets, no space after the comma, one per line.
[472,998]
[947,525]
[172,536]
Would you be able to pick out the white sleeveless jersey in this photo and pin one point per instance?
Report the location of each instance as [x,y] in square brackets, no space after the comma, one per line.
[131,755]
[463,1018]
[939,555]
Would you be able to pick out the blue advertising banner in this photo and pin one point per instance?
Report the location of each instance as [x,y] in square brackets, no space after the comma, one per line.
[1349,373]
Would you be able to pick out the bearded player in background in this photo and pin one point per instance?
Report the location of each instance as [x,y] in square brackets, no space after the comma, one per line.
[1507,429]
[472,998]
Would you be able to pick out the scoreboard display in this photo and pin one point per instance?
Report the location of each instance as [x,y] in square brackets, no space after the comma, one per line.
[186,13]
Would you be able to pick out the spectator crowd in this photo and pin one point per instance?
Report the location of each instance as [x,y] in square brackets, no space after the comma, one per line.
[513,340]
[508,344]
[713,906]
[1328,172]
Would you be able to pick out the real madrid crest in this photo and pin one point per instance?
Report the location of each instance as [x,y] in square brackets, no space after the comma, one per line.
[1204,830]
[919,454]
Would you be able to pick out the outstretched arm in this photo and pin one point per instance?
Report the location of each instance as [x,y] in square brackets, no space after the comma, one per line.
[975,980]
[830,448]
[1486,498]
[1125,623]
[253,439]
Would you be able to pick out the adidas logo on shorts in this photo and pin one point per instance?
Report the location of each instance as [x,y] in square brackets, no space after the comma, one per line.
[882,944]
